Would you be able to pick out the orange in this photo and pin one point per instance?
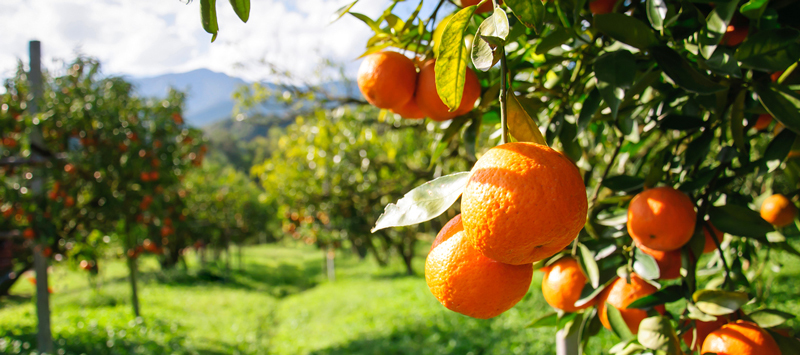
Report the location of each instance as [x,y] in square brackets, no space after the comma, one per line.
[703,330]
[710,246]
[778,210]
[620,294]
[469,283]
[740,338]
[387,79]
[410,110]
[429,101]
[599,7]
[669,262]
[661,218]
[486,7]
[562,284]
[734,35]
[523,202]
[763,122]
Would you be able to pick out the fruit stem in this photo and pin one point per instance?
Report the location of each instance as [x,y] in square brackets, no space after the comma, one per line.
[503,96]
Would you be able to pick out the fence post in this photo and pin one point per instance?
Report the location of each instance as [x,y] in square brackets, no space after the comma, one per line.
[567,344]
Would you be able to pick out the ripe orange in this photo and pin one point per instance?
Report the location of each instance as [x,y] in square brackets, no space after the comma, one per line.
[28,233]
[599,7]
[710,246]
[410,110]
[620,294]
[740,338]
[778,210]
[763,122]
[734,35]
[661,218]
[703,330]
[486,7]
[469,283]
[429,101]
[562,285]
[523,202]
[387,79]
[669,262]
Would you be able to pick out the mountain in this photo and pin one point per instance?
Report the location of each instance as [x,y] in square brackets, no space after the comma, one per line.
[208,93]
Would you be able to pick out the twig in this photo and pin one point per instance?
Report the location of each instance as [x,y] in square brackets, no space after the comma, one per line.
[503,96]
[606,171]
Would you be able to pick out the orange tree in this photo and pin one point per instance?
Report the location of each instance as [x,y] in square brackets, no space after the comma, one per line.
[653,97]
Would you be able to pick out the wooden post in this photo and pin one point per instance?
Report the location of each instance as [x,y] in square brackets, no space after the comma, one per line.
[567,344]
[132,270]
[44,337]
[331,254]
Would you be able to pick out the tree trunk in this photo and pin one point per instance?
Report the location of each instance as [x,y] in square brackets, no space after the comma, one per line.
[7,282]
[407,250]
[132,279]
[44,337]
[241,263]
[330,266]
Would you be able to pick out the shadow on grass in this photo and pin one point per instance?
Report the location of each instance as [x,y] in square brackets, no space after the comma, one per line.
[14,300]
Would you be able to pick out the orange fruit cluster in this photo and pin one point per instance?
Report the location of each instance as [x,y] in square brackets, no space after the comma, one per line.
[389,80]
[524,202]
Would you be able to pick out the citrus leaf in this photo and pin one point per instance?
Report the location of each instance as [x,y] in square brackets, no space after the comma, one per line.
[723,62]
[623,183]
[781,103]
[683,73]
[768,318]
[343,10]
[665,295]
[553,40]
[567,135]
[208,15]
[618,325]
[424,203]
[695,313]
[614,75]
[716,26]
[719,303]
[779,148]
[681,122]
[447,136]
[590,106]
[520,125]
[451,62]
[656,333]
[589,265]
[656,12]
[739,220]
[770,50]
[484,53]
[530,13]
[241,8]
[589,293]
[368,21]
[645,265]
[548,320]
[626,29]
[787,345]
[753,9]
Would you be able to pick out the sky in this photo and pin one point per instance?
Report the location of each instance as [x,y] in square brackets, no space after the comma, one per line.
[152,37]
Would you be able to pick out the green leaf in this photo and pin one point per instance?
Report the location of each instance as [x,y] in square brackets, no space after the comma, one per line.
[688,22]
[719,303]
[770,50]
[448,134]
[681,122]
[739,220]
[624,183]
[656,333]
[618,325]
[451,63]
[665,295]
[208,15]
[699,148]
[787,345]
[768,318]
[723,62]
[530,13]
[552,40]
[589,107]
[695,313]
[589,265]
[716,26]
[471,135]
[615,72]
[424,203]
[548,320]
[779,148]
[485,54]
[588,293]
[368,21]
[753,9]
[656,12]
[343,10]
[626,29]
[683,73]
[645,265]
[781,103]
[241,8]
[520,124]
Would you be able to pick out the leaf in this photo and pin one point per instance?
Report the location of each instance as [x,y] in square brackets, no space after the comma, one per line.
[656,333]
[615,72]
[753,9]
[779,148]
[618,325]
[665,295]
[589,265]
[781,103]
[645,265]
[451,64]
[548,320]
[471,135]
[343,10]
[552,40]
[447,136]
[770,50]
[695,313]
[567,135]
[787,345]
[716,26]
[656,12]
[485,54]
[723,62]
[739,220]
[768,318]
[683,73]
[626,29]
[681,122]
[588,293]
[208,15]
[520,125]
[529,12]
[368,21]
[719,303]
[241,8]
[424,203]
[589,107]
[623,183]
[688,22]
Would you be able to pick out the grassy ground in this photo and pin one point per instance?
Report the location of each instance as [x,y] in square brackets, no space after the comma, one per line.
[281,303]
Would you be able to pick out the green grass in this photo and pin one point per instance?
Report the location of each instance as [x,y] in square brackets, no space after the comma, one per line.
[282,303]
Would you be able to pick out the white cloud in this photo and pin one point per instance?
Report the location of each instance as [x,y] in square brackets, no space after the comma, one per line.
[150,37]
